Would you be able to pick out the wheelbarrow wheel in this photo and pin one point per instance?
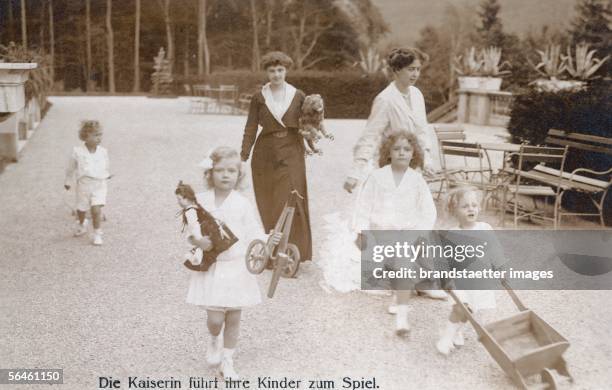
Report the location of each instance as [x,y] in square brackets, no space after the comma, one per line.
[257,257]
[548,378]
[293,261]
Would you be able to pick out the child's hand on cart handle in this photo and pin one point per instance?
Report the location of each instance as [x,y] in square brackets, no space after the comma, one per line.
[203,242]
[275,237]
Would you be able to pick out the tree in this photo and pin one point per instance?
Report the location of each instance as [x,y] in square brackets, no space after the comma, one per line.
[51,43]
[11,21]
[203,51]
[110,45]
[365,19]
[24,26]
[137,48]
[165,5]
[491,29]
[308,24]
[437,76]
[88,83]
[256,53]
[270,5]
[592,25]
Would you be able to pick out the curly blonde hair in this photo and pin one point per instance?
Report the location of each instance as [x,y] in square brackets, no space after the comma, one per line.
[454,197]
[390,140]
[218,154]
[88,126]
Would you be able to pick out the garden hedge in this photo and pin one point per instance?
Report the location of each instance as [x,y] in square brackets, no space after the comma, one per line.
[588,112]
[346,94]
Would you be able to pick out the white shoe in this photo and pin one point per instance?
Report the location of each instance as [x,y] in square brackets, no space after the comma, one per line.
[445,344]
[214,350]
[97,238]
[433,294]
[459,340]
[80,228]
[402,328]
[227,365]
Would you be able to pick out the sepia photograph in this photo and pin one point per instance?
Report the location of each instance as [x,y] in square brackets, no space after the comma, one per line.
[305,194]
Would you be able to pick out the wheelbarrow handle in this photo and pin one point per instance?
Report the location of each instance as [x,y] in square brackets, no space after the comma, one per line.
[519,304]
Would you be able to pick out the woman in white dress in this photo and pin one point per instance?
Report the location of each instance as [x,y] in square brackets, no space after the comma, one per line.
[400,106]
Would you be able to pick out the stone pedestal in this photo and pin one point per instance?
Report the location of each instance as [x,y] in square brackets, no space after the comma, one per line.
[12,107]
[482,107]
[473,106]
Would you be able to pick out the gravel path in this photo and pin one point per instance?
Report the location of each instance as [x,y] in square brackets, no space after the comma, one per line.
[118,310]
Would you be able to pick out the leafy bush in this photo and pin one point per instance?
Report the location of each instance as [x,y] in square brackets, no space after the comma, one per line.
[588,111]
[346,95]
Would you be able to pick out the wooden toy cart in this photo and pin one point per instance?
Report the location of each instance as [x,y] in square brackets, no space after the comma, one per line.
[284,257]
[522,344]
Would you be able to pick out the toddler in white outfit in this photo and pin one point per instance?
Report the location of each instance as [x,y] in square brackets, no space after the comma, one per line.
[88,167]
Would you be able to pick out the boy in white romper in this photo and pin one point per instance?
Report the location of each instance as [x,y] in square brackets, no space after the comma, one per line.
[88,167]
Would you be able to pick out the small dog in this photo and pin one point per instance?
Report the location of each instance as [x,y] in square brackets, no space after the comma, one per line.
[311,123]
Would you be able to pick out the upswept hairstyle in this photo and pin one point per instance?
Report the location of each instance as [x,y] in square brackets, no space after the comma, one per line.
[275,58]
[402,57]
[455,196]
[218,154]
[388,142]
[88,126]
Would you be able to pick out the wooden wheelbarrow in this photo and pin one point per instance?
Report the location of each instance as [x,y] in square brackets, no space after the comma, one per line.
[522,344]
[284,257]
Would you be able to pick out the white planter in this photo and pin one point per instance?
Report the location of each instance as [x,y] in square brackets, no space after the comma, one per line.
[554,85]
[490,83]
[12,78]
[469,82]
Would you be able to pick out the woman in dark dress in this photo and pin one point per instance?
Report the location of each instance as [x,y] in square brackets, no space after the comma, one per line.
[278,156]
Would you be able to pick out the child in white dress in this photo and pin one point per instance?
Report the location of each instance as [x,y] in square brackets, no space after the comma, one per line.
[463,204]
[88,167]
[227,286]
[393,197]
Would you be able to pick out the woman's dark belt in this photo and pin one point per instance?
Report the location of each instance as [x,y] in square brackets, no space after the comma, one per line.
[280,134]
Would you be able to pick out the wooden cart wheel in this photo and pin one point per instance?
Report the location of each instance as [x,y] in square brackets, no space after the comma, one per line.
[548,377]
[293,261]
[257,256]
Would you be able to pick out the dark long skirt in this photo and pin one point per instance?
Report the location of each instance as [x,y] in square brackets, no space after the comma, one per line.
[278,167]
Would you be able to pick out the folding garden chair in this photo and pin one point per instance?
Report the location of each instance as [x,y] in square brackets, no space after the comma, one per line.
[524,180]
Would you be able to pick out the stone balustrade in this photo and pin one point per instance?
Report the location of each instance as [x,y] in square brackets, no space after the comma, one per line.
[484,107]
